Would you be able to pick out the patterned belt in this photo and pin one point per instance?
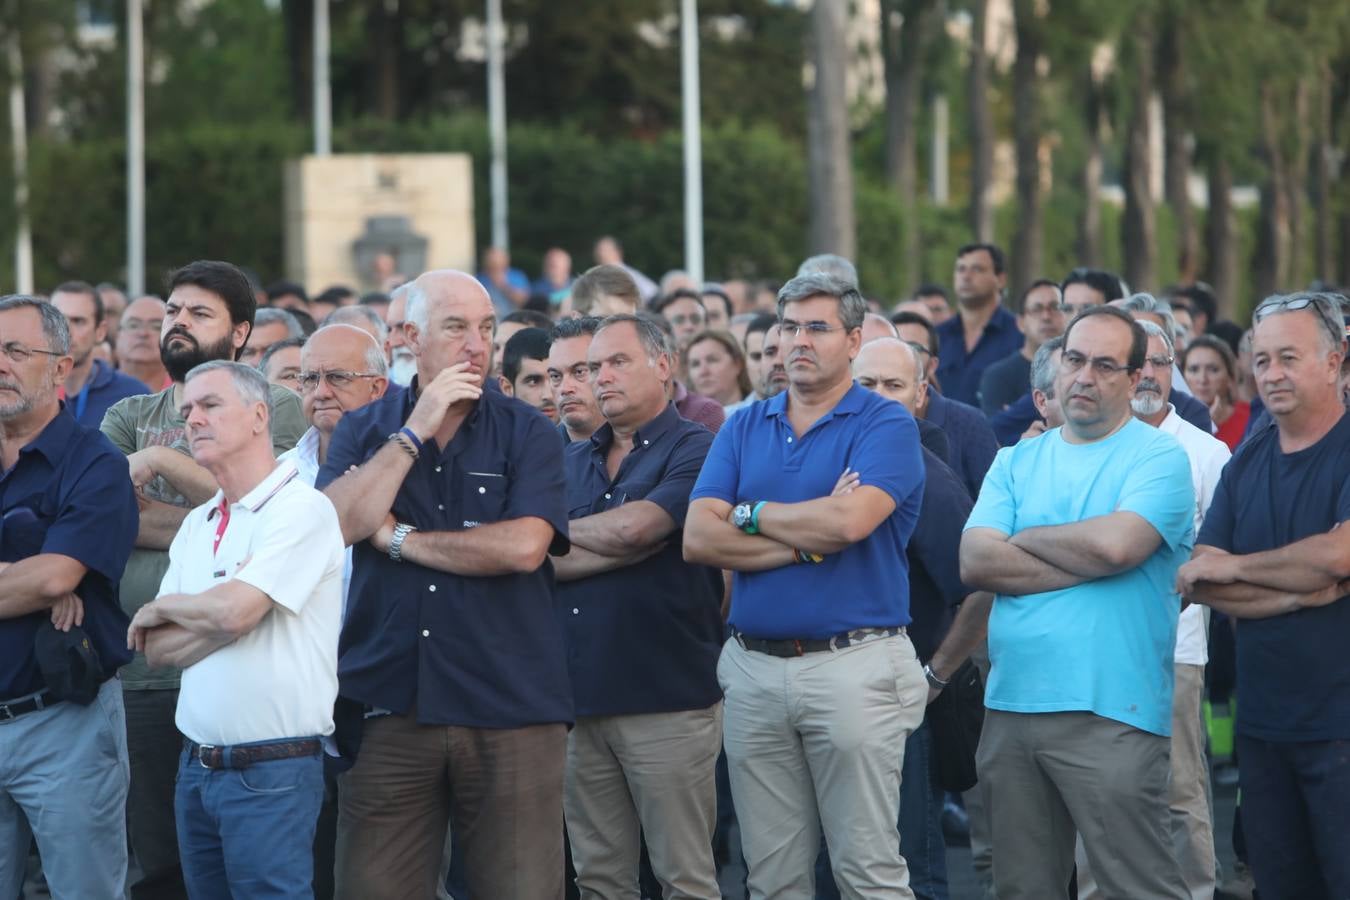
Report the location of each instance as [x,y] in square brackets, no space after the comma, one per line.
[241,756]
[790,647]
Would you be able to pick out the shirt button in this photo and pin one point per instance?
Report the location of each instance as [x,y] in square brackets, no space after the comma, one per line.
[438,468]
[482,490]
[440,506]
[432,588]
[575,611]
[645,443]
[789,440]
[426,633]
[607,496]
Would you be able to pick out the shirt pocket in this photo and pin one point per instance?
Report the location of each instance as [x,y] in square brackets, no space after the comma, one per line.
[627,491]
[483,498]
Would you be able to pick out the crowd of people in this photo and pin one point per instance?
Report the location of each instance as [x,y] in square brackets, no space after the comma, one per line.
[485,587]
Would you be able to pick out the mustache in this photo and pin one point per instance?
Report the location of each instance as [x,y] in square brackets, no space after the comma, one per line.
[1148,384]
[179,332]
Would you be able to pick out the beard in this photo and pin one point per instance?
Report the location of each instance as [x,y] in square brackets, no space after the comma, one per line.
[1148,403]
[178,361]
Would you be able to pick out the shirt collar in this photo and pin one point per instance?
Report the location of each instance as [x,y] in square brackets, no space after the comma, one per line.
[668,419]
[308,445]
[101,376]
[55,438]
[491,388]
[849,404]
[265,490]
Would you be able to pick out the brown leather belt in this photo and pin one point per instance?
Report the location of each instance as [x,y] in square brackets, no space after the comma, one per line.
[241,756]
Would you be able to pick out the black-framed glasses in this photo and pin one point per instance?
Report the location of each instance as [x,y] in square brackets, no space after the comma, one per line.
[1104,366]
[335,379]
[790,329]
[20,353]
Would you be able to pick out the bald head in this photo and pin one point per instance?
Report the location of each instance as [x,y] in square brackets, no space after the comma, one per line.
[450,320]
[350,367]
[891,368]
[875,327]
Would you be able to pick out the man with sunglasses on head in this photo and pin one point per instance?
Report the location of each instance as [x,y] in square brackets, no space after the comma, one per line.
[810,499]
[1273,554]
[1079,533]
[208,316]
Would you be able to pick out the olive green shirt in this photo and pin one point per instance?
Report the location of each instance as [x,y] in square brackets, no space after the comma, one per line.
[151,420]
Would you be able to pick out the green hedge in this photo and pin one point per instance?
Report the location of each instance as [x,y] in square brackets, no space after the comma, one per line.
[217,192]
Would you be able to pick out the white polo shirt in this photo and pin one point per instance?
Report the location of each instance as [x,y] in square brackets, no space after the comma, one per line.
[279,680]
[1208,456]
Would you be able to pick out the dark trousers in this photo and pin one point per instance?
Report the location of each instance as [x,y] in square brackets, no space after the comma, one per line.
[500,790]
[153,746]
[1296,817]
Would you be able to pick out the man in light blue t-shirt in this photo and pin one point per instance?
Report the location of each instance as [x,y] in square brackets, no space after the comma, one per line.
[1079,532]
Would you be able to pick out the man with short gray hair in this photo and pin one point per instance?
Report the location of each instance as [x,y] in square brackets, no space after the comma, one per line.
[270,326]
[250,610]
[810,499]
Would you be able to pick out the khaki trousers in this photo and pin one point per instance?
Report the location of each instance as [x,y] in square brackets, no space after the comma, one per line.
[1050,775]
[818,741]
[649,774]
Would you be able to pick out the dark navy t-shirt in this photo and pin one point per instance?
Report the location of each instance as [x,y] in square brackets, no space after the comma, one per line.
[1293,670]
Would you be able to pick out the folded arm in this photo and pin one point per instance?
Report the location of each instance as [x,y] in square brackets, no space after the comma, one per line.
[364,496]
[222,613]
[181,471]
[582,563]
[1303,566]
[37,583]
[622,531]
[499,548]
[827,524]
[713,541]
[160,522]
[1093,548]
[174,645]
[991,562]
[1206,580]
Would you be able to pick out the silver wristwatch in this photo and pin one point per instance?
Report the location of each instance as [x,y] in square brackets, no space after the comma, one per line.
[401,532]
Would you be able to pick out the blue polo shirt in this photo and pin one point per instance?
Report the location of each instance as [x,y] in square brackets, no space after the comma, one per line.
[934,551]
[644,638]
[756,456]
[483,652]
[971,440]
[1293,671]
[104,387]
[69,493]
[959,371]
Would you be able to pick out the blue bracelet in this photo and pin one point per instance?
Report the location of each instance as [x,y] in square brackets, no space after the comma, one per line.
[754,516]
[412,436]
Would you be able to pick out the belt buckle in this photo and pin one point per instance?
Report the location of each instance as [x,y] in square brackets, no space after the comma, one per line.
[201,754]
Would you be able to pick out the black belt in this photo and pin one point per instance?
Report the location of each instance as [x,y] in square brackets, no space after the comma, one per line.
[241,756]
[12,709]
[790,647]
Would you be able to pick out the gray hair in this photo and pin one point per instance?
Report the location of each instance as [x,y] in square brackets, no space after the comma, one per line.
[284,344]
[248,381]
[1328,307]
[351,315]
[852,306]
[54,326]
[416,310]
[271,315]
[1042,371]
[1152,329]
[654,341]
[1147,303]
[374,352]
[830,264]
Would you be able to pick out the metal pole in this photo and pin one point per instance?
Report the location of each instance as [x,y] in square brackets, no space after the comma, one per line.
[323,97]
[497,123]
[18,130]
[693,147]
[135,152]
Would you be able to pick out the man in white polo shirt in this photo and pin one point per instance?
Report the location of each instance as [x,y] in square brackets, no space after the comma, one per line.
[250,608]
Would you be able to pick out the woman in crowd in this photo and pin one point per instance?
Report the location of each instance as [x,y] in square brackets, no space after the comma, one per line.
[715,365]
[1210,369]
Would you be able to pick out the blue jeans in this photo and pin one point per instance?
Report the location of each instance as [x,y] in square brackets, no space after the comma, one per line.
[921,841]
[1296,817]
[64,774]
[249,833]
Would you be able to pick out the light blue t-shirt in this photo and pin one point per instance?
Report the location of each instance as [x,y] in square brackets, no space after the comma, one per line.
[1104,646]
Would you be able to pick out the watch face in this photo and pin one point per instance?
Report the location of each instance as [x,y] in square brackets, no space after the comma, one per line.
[741,515]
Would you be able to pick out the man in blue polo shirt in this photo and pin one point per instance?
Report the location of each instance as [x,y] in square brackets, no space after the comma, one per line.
[450,642]
[1272,553]
[1079,532]
[644,629]
[69,518]
[982,332]
[92,385]
[822,684]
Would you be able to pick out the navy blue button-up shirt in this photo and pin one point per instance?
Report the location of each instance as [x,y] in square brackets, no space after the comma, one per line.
[483,652]
[104,387]
[69,493]
[972,442]
[959,371]
[934,551]
[644,638]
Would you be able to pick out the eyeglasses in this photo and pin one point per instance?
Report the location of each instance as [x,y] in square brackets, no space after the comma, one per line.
[689,319]
[1161,362]
[1104,366]
[1322,303]
[334,379]
[20,354]
[141,325]
[790,329]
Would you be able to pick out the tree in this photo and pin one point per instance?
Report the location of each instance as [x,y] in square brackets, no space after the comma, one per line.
[1028,240]
[981,126]
[1175,87]
[1139,230]
[831,228]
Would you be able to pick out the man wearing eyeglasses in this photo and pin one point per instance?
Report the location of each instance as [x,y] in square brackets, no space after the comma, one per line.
[821,681]
[1273,554]
[1040,317]
[1079,533]
[208,316]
